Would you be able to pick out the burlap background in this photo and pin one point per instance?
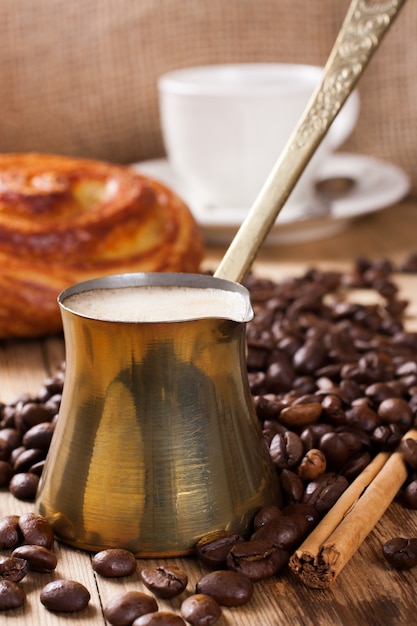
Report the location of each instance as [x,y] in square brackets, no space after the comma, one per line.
[79,77]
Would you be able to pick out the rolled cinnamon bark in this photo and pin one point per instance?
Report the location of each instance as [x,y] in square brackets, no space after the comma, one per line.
[322,556]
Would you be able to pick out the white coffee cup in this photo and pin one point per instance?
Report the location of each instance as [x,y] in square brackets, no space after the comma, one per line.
[224,127]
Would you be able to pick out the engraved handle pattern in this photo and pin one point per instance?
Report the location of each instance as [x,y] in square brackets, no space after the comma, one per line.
[362,31]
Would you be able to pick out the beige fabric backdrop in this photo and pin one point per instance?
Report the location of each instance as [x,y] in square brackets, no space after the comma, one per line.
[78,77]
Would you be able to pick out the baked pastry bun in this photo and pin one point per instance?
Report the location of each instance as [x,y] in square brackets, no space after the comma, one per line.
[64,220]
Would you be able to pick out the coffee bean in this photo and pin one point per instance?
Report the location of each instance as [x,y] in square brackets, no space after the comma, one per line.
[401,552]
[355,465]
[292,486]
[27,458]
[298,415]
[36,530]
[297,509]
[409,495]
[324,492]
[12,596]
[226,587]
[5,449]
[6,473]
[396,411]
[9,532]
[311,435]
[312,464]
[11,436]
[285,533]
[165,581]
[124,608]
[213,548]
[62,596]
[39,436]
[201,610]
[23,486]
[266,514]
[286,450]
[257,559]
[39,559]
[30,414]
[114,563]
[408,449]
[387,437]
[13,568]
[159,618]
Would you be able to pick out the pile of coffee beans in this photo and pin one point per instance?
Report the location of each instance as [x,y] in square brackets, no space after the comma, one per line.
[334,382]
[29,542]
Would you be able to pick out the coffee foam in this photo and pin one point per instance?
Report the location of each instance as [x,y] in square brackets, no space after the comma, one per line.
[158,304]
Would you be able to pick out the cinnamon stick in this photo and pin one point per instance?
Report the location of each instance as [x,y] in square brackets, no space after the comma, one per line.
[322,556]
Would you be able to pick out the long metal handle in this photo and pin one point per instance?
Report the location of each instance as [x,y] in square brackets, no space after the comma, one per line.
[364,27]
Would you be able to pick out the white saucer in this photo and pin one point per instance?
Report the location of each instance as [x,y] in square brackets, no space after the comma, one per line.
[378,184]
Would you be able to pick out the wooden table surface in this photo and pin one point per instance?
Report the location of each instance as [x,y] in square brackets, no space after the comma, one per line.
[367,591]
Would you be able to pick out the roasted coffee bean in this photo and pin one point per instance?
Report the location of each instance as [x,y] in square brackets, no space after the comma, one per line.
[39,559]
[37,468]
[396,411]
[355,465]
[279,375]
[310,357]
[124,608]
[257,559]
[409,451]
[5,449]
[324,492]
[401,552]
[39,436]
[307,511]
[23,486]
[292,486]
[165,581]
[9,532]
[363,417]
[63,596]
[213,548]
[114,563]
[36,530]
[387,437]
[286,450]
[15,454]
[311,435]
[226,587]
[13,568]
[378,392]
[266,407]
[6,473]
[312,464]
[27,458]
[409,495]
[12,596]
[11,436]
[31,413]
[285,533]
[299,415]
[159,618]
[201,610]
[335,449]
[333,412]
[266,514]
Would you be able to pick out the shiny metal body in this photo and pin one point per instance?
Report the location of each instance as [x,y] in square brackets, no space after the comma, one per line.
[157,442]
